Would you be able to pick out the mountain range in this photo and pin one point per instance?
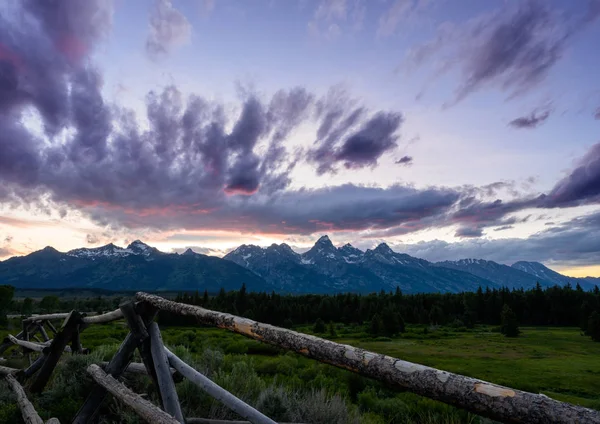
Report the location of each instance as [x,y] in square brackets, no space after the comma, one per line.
[322,269]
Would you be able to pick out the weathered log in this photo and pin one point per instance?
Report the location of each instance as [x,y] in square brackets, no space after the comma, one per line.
[45,317]
[7,370]
[216,391]
[76,341]
[36,347]
[483,398]
[52,327]
[166,385]
[30,416]
[43,332]
[25,337]
[138,328]
[115,367]
[211,421]
[103,318]
[141,406]
[55,351]
[33,368]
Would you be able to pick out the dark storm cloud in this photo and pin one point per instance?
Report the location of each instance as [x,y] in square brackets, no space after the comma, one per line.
[465,232]
[343,135]
[169,28]
[532,120]
[512,49]
[405,160]
[581,186]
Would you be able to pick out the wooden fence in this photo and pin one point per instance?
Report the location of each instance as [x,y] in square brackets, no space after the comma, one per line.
[165,369]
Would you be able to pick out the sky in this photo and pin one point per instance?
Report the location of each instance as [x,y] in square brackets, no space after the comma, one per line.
[448,129]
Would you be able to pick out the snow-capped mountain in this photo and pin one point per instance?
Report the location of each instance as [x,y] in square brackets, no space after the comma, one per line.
[110,250]
[543,273]
[324,268]
[500,275]
[347,268]
[136,267]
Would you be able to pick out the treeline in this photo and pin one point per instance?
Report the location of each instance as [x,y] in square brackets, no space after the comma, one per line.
[559,306]
[386,311]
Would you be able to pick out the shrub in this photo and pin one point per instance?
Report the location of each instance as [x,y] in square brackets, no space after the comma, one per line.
[509,326]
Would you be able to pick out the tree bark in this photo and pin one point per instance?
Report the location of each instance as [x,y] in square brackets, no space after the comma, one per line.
[141,406]
[30,416]
[483,398]
[55,351]
[107,317]
[166,385]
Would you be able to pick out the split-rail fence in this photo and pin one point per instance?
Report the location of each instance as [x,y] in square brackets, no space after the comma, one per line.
[499,403]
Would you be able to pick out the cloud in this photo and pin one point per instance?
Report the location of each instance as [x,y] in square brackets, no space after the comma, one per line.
[8,239]
[399,12]
[331,17]
[576,242]
[581,186]
[405,160]
[91,239]
[597,114]
[466,232]
[341,138]
[202,250]
[169,29]
[512,49]
[533,120]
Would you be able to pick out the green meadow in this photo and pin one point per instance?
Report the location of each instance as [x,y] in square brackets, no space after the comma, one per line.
[556,361]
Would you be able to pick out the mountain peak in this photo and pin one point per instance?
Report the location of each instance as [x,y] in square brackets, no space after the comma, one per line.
[383,248]
[189,252]
[324,241]
[138,244]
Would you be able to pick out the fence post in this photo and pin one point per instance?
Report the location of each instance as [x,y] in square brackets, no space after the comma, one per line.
[145,409]
[30,416]
[115,368]
[166,385]
[61,339]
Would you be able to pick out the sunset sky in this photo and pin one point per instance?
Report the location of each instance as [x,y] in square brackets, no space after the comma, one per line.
[449,129]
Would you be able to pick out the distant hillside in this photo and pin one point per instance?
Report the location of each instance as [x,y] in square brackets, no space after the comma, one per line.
[324,268]
[137,267]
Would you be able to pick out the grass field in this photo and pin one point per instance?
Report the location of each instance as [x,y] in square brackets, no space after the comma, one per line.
[558,362]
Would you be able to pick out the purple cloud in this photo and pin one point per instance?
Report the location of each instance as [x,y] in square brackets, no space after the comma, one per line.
[169,29]
[581,186]
[512,49]
[532,120]
[405,160]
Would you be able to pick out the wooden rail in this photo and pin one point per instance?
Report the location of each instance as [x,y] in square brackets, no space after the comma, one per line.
[483,398]
[166,369]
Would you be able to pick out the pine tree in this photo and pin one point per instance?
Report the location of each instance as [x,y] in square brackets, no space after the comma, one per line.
[509,327]
[331,330]
[593,326]
[376,325]
[319,326]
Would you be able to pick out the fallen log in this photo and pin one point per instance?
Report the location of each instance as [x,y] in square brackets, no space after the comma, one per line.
[30,416]
[145,409]
[487,399]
